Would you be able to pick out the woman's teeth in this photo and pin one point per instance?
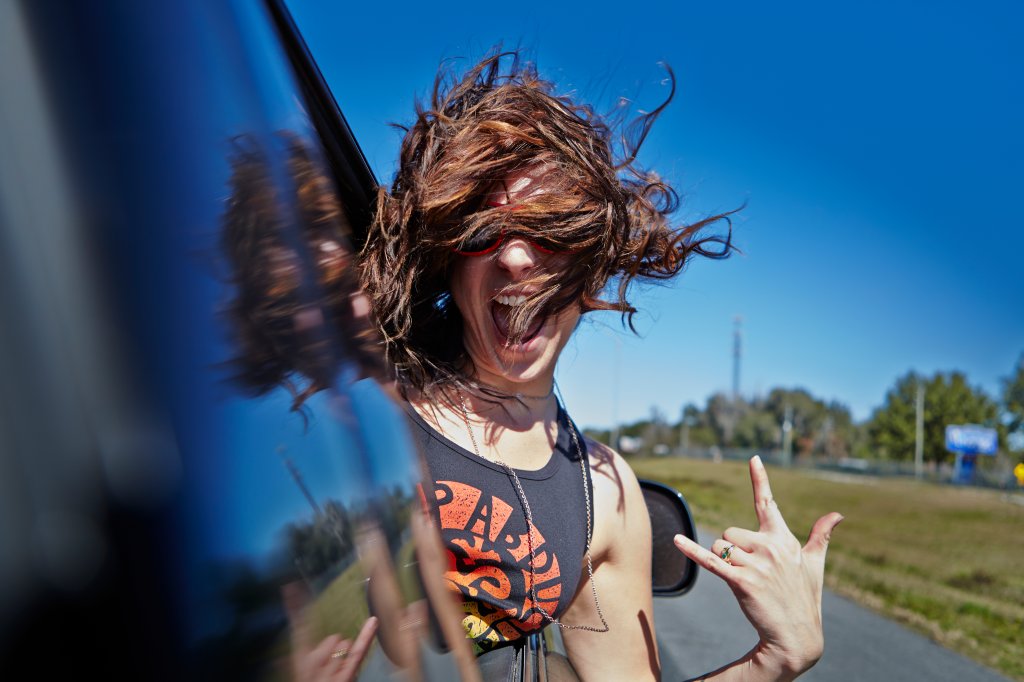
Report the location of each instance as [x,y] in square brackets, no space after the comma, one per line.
[511,300]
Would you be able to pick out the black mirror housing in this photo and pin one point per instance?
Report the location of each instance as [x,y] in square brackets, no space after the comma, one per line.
[672,573]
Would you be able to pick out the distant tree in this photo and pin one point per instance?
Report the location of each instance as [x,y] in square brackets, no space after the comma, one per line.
[688,420]
[692,414]
[600,435]
[1013,403]
[819,428]
[892,427]
[722,414]
[860,442]
[700,432]
[839,433]
[948,399]
[634,430]
[656,432]
[758,429]
[321,543]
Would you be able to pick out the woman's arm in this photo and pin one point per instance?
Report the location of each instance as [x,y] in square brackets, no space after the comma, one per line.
[621,550]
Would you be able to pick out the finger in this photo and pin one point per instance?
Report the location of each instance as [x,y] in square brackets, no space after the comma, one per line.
[294,597]
[703,557]
[357,653]
[768,514]
[735,555]
[821,533]
[329,650]
[749,540]
[333,667]
[331,659]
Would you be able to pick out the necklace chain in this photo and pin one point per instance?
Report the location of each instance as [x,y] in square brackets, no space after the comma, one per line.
[529,523]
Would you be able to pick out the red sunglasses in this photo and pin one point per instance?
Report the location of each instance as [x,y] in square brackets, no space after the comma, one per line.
[485,243]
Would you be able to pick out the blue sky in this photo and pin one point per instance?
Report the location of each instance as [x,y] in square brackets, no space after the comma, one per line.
[878,148]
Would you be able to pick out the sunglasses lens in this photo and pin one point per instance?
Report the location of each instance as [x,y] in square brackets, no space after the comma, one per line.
[544,246]
[479,244]
[485,243]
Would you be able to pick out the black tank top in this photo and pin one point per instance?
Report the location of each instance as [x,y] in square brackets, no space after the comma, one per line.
[484,530]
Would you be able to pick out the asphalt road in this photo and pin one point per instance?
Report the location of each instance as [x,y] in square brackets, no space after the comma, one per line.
[705,629]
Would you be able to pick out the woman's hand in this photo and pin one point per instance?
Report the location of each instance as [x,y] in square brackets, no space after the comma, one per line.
[776,581]
[332,659]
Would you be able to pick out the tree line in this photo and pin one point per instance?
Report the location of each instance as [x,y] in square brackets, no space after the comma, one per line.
[793,420]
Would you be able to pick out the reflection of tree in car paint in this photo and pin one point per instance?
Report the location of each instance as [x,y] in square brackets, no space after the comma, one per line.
[487,563]
[325,543]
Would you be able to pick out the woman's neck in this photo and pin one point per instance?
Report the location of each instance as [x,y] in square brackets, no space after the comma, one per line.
[519,433]
[538,390]
[516,413]
[495,419]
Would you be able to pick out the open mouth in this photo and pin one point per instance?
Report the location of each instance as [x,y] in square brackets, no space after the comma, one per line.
[502,310]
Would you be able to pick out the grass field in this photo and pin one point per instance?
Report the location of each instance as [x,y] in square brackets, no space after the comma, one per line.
[946,561]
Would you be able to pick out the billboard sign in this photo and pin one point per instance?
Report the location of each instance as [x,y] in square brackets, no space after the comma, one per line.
[971,439]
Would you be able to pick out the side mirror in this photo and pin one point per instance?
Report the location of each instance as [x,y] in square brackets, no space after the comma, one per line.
[672,573]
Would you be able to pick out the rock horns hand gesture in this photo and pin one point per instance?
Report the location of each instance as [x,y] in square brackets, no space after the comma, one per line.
[777,582]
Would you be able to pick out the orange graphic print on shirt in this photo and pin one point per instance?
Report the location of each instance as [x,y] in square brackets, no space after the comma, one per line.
[490,566]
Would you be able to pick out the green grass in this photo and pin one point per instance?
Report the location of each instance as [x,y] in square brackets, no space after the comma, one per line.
[342,607]
[946,561]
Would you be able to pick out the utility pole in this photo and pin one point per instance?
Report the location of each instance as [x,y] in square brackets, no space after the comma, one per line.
[294,471]
[615,394]
[919,441]
[787,436]
[684,432]
[736,345]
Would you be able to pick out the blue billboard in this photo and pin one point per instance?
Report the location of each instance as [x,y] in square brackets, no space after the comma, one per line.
[971,439]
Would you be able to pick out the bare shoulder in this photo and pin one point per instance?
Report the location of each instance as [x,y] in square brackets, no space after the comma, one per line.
[611,472]
[620,512]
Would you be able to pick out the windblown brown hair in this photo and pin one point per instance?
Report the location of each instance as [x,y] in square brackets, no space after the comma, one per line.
[500,117]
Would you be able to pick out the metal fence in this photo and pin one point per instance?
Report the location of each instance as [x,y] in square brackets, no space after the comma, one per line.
[990,472]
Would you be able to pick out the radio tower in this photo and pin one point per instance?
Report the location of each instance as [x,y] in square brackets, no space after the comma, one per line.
[736,359]
[294,471]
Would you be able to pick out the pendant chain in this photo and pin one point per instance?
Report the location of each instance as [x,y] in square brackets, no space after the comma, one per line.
[529,523]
